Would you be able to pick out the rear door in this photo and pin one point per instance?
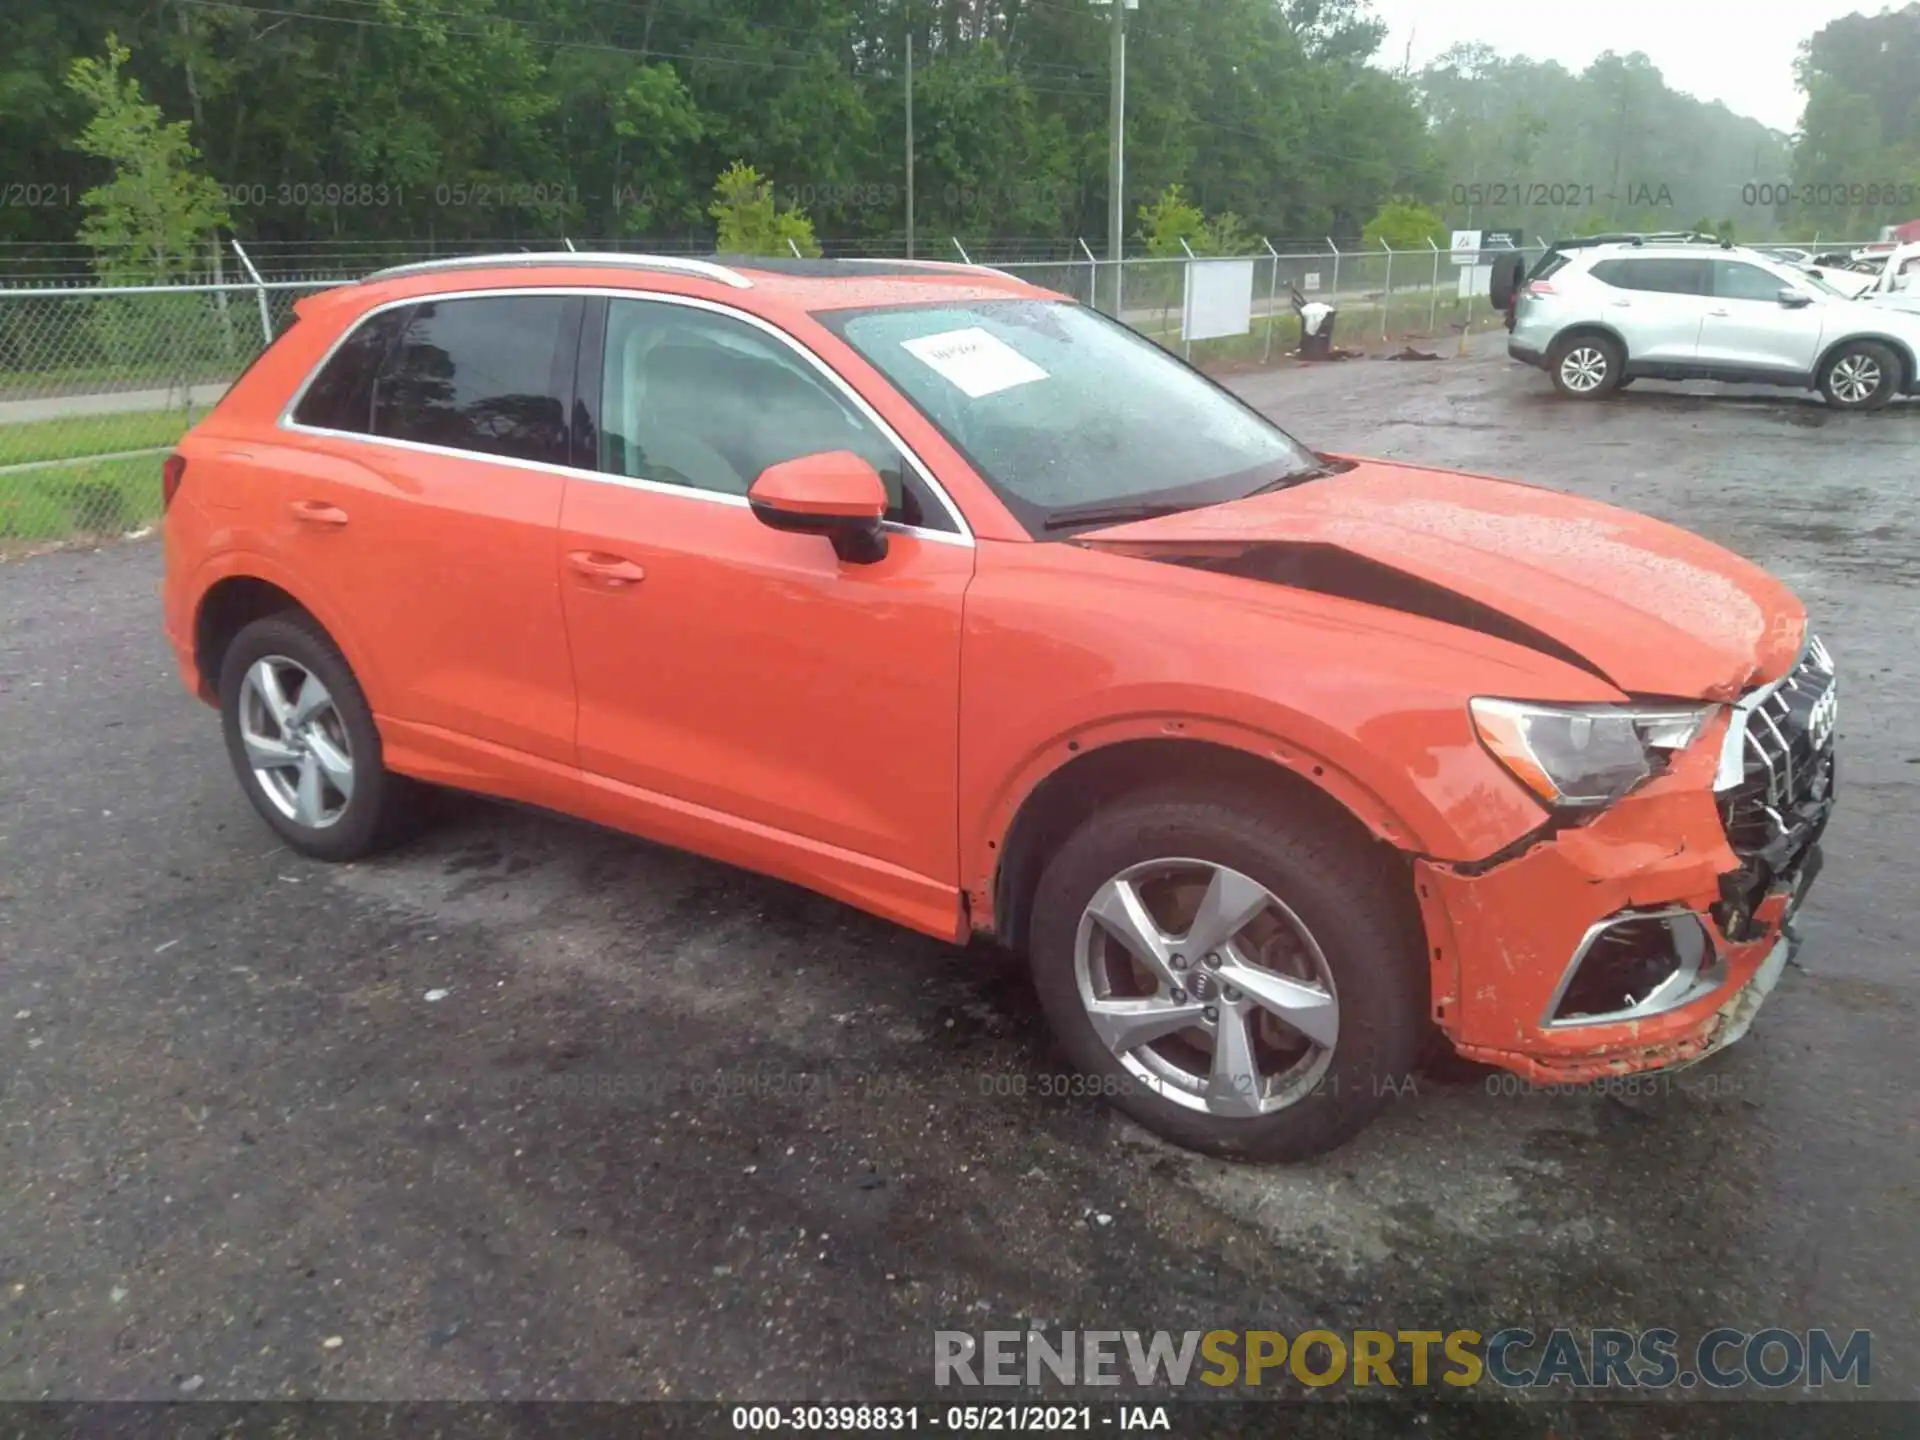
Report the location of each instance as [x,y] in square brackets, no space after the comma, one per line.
[424,502]
[1748,328]
[1657,304]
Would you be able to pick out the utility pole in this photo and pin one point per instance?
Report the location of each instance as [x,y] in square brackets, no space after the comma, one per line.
[1117,149]
[910,139]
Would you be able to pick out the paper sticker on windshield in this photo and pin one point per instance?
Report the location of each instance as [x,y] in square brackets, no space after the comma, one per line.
[978,363]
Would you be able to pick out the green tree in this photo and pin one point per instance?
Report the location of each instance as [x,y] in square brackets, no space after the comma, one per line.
[1403,223]
[146,221]
[1172,223]
[1227,234]
[751,222]
[1857,160]
[469,122]
[1531,145]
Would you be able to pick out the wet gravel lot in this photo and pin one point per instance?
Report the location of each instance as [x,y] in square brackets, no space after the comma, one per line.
[675,1131]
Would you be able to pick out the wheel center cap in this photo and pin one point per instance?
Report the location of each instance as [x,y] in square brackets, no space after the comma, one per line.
[1203,986]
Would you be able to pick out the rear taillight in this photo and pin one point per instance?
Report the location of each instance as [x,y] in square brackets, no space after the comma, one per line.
[171,473]
[1540,287]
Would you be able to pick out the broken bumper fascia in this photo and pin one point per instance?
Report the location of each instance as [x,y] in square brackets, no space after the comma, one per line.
[1501,937]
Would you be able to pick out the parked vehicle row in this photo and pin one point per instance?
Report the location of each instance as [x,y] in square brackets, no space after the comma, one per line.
[1599,316]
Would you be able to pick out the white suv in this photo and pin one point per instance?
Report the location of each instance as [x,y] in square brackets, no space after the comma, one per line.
[1598,317]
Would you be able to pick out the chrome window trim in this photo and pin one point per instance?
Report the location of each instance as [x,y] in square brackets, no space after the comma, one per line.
[286,421]
[1696,977]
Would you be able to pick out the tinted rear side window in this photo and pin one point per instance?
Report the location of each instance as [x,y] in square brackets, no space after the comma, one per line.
[341,395]
[1666,277]
[485,374]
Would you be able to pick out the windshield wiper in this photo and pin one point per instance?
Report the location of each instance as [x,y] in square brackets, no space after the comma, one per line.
[1112,514]
[1299,477]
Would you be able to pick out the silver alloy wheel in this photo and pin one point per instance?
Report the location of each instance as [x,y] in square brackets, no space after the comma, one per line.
[1208,989]
[1584,369]
[1855,378]
[296,741]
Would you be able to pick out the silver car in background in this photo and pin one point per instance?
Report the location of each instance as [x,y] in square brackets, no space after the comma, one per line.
[1599,317]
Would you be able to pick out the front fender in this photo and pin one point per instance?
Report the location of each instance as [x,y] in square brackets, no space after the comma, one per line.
[985,831]
[1067,650]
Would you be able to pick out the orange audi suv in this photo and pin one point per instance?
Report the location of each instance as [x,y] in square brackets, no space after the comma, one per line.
[956,600]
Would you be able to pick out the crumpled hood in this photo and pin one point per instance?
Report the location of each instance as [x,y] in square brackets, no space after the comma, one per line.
[1657,610]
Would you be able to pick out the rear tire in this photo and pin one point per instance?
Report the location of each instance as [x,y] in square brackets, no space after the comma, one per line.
[1333,942]
[303,743]
[1861,375]
[1586,367]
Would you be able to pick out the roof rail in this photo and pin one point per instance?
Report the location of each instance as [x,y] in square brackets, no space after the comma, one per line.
[674,264]
[929,265]
[1656,237]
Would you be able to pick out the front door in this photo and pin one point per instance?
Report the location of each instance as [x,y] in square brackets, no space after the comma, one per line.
[1748,328]
[736,668]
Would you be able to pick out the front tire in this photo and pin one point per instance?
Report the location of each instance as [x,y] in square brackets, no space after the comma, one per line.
[1301,1008]
[1860,375]
[1586,367]
[303,743]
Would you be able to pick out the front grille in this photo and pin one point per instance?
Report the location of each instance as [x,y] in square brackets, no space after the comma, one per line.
[1788,774]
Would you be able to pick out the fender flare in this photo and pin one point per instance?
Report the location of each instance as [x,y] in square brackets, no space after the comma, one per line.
[981,849]
[1582,327]
[252,565]
[1901,348]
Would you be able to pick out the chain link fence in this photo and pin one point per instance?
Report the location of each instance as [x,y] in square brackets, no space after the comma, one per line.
[98,384]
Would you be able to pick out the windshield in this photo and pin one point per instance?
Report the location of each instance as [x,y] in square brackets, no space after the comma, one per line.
[1072,418]
[1818,282]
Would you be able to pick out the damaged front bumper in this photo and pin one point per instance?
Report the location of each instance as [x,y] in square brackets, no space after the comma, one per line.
[1638,941]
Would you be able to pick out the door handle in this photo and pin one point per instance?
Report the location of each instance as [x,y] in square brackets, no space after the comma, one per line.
[1621,304]
[1722,314]
[611,571]
[318,513]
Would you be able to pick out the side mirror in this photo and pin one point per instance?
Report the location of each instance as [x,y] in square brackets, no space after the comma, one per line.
[835,494]
[1795,299]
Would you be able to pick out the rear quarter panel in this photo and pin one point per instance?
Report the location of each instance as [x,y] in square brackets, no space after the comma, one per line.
[230,507]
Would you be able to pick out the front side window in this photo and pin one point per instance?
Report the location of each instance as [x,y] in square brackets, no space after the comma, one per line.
[491,374]
[1736,280]
[1072,418]
[707,401]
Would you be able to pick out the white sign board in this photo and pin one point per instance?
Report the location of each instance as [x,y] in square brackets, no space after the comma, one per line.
[978,363]
[1465,246]
[1475,281]
[1219,299]
[1310,281]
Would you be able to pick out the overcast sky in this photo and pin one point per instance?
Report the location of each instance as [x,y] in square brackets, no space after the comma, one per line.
[1734,51]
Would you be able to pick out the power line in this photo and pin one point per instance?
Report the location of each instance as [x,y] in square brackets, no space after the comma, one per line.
[233,7]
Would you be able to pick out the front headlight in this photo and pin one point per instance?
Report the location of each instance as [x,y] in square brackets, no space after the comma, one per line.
[1582,756]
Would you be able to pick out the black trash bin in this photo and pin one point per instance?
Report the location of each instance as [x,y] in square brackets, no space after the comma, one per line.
[1316,330]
